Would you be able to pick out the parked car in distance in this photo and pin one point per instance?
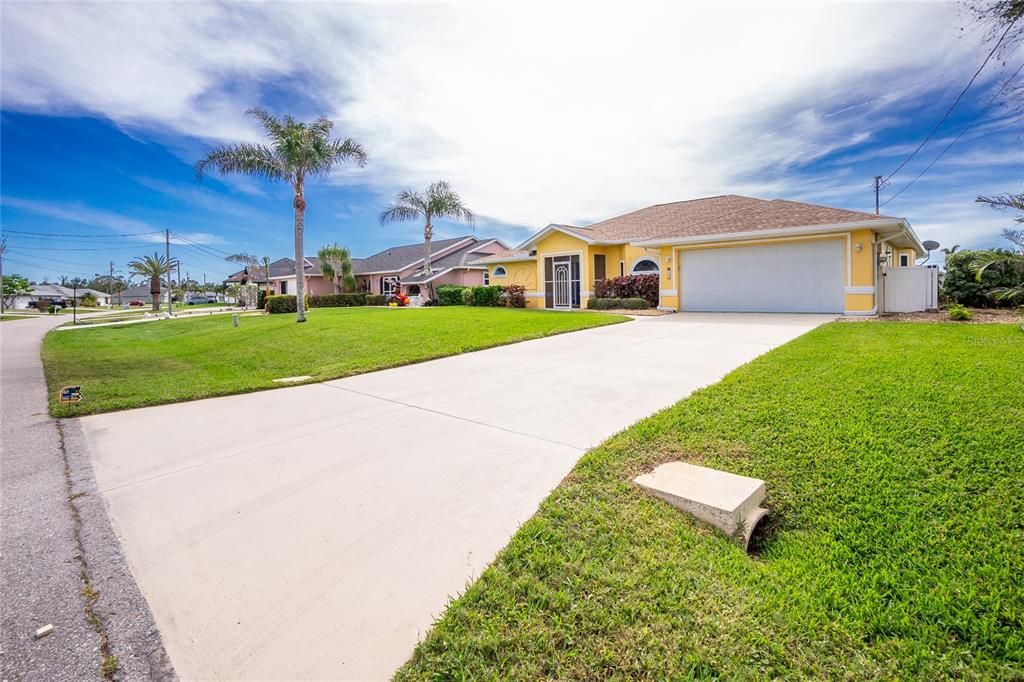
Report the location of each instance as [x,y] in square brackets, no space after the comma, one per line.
[195,300]
[136,303]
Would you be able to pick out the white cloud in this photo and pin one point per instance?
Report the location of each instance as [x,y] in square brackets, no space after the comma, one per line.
[536,113]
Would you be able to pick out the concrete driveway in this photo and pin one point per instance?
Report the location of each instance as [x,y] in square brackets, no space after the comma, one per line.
[316,531]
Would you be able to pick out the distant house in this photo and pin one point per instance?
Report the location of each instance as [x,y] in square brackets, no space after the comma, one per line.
[56,293]
[399,268]
[140,292]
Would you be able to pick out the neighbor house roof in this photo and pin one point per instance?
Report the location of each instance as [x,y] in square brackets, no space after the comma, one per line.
[465,256]
[59,291]
[398,258]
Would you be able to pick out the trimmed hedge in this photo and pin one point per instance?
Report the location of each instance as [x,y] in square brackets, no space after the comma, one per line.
[450,294]
[376,299]
[630,286]
[336,300]
[467,296]
[487,296]
[618,304]
[281,304]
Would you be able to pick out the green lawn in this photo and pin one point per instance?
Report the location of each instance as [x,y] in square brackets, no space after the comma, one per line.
[127,366]
[894,461]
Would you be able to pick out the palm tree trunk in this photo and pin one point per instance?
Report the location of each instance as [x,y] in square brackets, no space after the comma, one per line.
[428,232]
[154,292]
[300,272]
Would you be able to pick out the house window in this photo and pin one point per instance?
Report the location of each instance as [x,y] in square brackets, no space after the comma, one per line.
[904,260]
[414,289]
[499,271]
[599,262]
[388,284]
[284,287]
[622,268]
[645,266]
[487,276]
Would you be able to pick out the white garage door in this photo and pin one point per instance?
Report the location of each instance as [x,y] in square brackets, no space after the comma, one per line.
[795,277]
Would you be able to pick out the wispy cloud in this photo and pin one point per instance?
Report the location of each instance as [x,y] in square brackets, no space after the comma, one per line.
[536,115]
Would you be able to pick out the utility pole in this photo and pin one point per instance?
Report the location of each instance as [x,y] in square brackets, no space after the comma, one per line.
[110,284]
[3,246]
[167,246]
[878,188]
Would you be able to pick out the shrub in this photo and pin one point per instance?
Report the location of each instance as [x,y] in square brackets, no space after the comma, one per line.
[450,294]
[960,283]
[959,312]
[630,286]
[42,306]
[376,299]
[90,300]
[281,304]
[514,296]
[487,296]
[467,296]
[261,299]
[336,300]
[618,304]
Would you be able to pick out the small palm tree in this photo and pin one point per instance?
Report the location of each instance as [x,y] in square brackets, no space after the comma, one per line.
[336,263]
[1007,260]
[296,151]
[154,267]
[439,200]
[251,262]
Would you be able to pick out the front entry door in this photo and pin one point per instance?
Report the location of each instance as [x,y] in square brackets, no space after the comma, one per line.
[562,282]
[563,288]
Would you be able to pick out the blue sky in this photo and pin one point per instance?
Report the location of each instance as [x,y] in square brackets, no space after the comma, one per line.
[549,115]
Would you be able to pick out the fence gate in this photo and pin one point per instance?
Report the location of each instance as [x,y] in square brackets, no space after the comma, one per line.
[909,290]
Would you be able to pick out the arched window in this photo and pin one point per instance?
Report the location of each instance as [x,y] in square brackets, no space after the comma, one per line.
[645,266]
[499,271]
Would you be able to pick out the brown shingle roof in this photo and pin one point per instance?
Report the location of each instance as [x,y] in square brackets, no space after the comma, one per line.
[716,215]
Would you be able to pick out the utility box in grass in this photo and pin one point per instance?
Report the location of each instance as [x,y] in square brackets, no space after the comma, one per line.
[727,501]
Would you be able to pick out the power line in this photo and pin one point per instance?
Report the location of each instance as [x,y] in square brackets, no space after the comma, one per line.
[952,106]
[98,248]
[83,236]
[202,246]
[974,120]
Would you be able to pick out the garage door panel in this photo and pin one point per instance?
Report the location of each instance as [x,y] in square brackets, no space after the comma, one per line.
[794,277]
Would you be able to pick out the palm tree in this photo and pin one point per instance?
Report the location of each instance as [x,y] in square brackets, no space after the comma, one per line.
[439,200]
[1005,259]
[296,151]
[951,250]
[252,262]
[336,263]
[154,267]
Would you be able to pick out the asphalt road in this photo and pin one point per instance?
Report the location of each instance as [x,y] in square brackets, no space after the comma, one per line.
[55,538]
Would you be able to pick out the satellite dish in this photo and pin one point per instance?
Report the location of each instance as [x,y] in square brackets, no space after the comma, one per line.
[930,245]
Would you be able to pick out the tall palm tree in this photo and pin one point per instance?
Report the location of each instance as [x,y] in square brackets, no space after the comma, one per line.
[154,267]
[336,263]
[296,151]
[439,200]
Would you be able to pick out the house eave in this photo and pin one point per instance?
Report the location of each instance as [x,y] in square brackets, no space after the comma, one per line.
[781,232]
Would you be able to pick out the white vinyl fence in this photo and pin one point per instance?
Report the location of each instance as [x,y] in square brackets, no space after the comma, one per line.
[909,290]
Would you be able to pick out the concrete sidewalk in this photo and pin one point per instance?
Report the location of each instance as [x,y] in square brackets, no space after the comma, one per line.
[56,539]
[316,531]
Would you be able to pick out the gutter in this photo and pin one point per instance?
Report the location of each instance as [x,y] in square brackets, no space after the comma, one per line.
[778,232]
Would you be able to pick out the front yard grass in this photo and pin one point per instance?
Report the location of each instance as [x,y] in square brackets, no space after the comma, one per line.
[894,461]
[121,367]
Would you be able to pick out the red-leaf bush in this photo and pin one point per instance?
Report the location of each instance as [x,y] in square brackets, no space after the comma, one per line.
[630,286]
[514,296]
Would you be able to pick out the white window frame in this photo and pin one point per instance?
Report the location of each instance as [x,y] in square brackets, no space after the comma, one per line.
[388,285]
[904,260]
[487,276]
[500,271]
[638,261]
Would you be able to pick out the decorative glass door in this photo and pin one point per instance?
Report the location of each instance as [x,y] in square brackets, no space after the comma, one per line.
[563,287]
[562,282]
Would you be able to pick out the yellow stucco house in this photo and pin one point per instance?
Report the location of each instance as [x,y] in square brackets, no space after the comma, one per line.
[725,253]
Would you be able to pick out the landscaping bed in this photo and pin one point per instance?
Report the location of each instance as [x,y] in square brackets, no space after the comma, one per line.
[135,365]
[893,460]
[978,316]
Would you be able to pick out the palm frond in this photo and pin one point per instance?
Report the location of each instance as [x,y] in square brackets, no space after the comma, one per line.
[272,125]
[400,213]
[246,259]
[446,203]
[256,160]
[1003,201]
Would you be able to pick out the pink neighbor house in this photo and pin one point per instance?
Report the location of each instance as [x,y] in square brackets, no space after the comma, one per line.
[399,268]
